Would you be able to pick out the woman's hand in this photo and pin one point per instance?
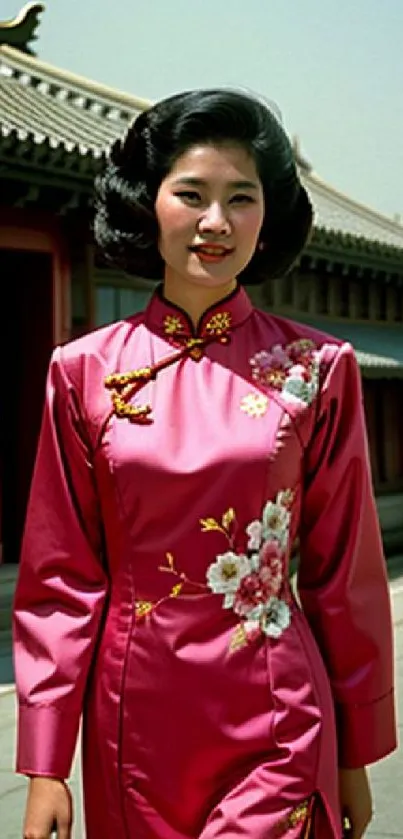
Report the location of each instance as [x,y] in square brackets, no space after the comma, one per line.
[355,801]
[49,808]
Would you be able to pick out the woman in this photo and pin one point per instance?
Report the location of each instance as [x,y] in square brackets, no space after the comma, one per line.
[182,453]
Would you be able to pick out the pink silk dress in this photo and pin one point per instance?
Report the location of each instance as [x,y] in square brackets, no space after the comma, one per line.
[176,472]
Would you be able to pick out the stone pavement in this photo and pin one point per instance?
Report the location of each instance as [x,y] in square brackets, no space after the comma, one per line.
[387,776]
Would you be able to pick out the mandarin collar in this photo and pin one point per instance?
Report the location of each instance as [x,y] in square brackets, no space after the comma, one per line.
[171,322]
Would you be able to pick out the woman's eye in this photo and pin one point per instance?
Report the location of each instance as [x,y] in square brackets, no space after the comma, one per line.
[242,199]
[189,195]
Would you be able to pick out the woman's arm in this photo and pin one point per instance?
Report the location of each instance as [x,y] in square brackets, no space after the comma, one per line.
[342,578]
[61,586]
[342,584]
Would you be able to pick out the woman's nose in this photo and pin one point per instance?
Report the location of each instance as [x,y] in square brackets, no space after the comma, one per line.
[214,220]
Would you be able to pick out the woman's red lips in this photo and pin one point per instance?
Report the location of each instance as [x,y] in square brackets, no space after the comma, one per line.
[211,250]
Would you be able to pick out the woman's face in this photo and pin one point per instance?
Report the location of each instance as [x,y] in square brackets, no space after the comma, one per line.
[210,210]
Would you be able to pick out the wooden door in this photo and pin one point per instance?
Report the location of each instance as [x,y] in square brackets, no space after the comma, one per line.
[27,338]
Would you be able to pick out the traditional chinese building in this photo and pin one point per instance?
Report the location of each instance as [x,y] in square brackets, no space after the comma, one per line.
[54,130]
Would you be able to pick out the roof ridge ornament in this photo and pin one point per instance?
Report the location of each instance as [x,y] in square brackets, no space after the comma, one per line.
[20,31]
[300,160]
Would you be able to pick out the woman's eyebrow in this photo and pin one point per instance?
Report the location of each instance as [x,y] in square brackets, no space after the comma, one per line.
[190,181]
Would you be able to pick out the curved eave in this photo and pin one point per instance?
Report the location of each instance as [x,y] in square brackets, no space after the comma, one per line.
[337,245]
[377,369]
[37,70]
[17,136]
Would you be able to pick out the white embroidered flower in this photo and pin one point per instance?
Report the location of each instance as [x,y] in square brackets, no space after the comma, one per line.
[301,385]
[225,574]
[255,533]
[252,623]
[276,523]
[276,618]
[297,390]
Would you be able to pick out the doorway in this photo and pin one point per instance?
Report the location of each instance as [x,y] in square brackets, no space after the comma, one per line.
[26,329]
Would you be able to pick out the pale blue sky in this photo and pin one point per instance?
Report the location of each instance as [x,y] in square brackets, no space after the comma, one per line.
[335,68]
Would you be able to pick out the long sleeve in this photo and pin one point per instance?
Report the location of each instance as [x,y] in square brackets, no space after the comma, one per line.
[342,579]
[61,586]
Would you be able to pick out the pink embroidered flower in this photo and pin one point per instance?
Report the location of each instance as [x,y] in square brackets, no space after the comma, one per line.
[292,370]
[271,569]
[300,352]
[276,359]
[270,367]
[252,584]
[249,594]
[254,531]
[263,583]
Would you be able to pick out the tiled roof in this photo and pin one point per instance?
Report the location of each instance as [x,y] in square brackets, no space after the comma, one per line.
[44,106]
[337,212]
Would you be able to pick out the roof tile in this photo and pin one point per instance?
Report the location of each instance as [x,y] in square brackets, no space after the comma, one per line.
[337,212]
[52,106]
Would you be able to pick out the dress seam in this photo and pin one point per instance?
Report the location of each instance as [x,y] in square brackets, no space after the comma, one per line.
[120,722]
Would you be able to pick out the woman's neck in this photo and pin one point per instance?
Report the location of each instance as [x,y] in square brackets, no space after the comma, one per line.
[195,299]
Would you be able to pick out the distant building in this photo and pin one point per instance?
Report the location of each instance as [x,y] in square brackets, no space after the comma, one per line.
[54,130]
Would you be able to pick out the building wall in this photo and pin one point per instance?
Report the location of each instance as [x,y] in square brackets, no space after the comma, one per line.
[337,291]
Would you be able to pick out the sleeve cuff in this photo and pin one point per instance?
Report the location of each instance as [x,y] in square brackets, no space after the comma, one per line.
[366,733]
[46,741]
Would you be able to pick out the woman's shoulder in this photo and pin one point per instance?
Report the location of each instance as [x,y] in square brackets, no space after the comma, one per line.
[286,330]
[279,331]
[298,361]
[97,350]
[102,337]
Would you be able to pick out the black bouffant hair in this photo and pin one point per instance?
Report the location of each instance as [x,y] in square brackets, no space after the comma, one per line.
[125,224]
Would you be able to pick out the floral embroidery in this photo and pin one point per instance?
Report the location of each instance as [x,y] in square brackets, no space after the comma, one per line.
[216,329]
[218,323]
[144,607]
[225,575]
[299,816]
[293,370]
[173,325]
[251,582]
[254,404]
[125,385]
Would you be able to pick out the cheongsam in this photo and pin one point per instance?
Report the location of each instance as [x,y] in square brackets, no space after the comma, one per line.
[178,470]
